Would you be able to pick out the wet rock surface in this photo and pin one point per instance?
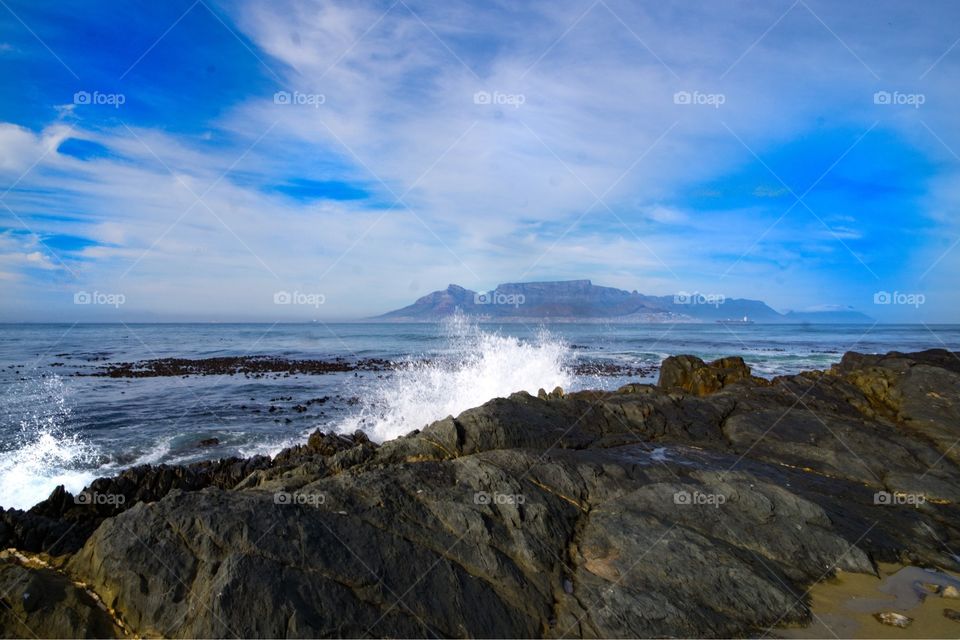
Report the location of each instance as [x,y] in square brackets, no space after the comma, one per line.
[703,506]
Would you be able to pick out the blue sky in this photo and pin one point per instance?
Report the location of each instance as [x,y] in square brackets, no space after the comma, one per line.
[198,157]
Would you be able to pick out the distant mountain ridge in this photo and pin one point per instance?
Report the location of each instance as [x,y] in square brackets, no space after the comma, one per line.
[583,301]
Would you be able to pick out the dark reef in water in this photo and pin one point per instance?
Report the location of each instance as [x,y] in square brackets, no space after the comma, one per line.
[702,506]
[251,366]
[259,366]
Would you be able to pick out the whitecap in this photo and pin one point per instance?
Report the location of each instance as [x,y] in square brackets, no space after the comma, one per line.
[477,367]
[44,453]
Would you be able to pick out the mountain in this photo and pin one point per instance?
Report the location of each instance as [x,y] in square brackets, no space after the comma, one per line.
[583,301]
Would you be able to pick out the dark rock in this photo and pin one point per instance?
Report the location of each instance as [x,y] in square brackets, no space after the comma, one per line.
[704,506]
[693,375]
[250,366]
[919,390]
[322,444]
[38,602]
[209,442]
[62,522]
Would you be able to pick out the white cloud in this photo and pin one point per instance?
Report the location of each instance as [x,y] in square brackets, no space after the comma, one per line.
[19,251]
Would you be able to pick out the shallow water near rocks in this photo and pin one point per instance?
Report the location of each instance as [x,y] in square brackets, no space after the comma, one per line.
[844,606]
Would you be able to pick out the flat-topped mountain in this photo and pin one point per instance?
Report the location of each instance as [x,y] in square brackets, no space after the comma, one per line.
[583,301]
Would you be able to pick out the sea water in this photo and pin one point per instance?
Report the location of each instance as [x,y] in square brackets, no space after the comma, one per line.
[60,425]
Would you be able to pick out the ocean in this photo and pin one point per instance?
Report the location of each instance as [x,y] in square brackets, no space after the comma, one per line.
[60,424]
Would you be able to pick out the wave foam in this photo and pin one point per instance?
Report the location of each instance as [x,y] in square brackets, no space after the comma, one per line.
[44,454]
[478,366]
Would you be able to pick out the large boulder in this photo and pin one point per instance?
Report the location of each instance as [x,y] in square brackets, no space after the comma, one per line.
[920,391]
[536,547]
[693,375]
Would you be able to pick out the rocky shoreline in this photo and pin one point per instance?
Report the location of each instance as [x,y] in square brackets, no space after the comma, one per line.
[705,505]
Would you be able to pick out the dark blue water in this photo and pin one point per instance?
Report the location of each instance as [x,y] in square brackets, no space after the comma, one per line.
[60,425]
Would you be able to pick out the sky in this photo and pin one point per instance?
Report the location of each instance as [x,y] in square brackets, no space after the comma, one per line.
[296,160]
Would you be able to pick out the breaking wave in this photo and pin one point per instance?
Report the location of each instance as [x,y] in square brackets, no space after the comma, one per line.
[476,367]
[43,452]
